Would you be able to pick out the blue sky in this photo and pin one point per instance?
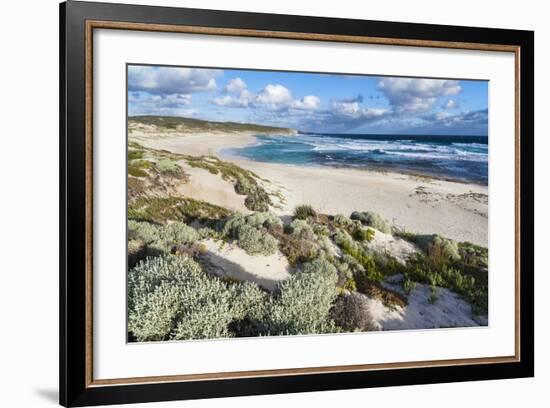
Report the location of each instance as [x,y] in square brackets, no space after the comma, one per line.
[311,101]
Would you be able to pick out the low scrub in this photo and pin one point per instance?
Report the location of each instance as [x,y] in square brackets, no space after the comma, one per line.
[163,209]
[302,303]
[265,220]
[364,234]
[256,241]
[373,220]
[351,312]
[170,298]
[303,212]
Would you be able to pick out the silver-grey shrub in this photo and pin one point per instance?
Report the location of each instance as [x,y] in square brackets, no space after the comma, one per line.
[161,238]
[256,220]
[256,241]
[302,303]
[171,298]
[373,220]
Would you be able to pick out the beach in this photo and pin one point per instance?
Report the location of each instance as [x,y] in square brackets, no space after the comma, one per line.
[417,204]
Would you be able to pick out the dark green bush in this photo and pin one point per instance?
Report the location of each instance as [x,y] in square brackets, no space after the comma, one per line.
[351,312]
[305,211]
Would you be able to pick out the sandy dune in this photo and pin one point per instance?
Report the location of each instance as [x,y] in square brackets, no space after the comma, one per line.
[203,185]
[449,310]
[233,262]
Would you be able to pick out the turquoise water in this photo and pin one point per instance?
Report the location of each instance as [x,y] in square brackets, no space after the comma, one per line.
[463,158]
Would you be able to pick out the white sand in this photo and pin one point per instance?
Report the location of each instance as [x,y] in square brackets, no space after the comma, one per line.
[448,311]
[417,204]
[231,261]
[203,185]
[394,246]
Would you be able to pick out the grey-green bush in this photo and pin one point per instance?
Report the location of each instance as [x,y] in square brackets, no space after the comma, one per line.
[301,229]
[171,298]
[258,220]
[342,221]
[373,220]
[302,303]
[256,241]
[442,249]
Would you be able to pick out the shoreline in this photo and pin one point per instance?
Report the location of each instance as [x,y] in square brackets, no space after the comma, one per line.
[416,203]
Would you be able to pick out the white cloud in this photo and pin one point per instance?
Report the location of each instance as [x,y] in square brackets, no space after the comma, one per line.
[412,95]
[236,86]
[354,111]
[171,80]
[274,95]
[450,104]
[309,102]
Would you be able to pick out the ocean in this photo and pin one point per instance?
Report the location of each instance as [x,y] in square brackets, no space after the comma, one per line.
[460,158]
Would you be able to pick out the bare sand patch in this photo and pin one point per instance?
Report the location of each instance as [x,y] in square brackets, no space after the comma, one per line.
[205,186]
[230,261]
[449,310]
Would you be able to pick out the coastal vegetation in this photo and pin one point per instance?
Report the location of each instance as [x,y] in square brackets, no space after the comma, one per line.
[337,263]
[185,125]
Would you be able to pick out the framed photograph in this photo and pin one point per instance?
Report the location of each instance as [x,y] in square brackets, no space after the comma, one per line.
[256,204]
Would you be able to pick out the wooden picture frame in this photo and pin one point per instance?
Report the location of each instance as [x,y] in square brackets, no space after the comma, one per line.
[78,20]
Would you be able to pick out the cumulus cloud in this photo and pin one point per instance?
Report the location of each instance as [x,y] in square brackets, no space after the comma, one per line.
[171,80]
[413,95]
[236,85]
[272,97]
[450,104]
[308,102]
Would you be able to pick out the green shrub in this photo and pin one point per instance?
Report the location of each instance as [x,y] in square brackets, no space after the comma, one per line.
[364,234]
[369,271]
[168,166]
[163,209]
[408,285]
[473,288]
[474,255]
[256,241]
[303,212]
[135,154]
[302,303]
[373,220]
[351,312]
[136,171]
